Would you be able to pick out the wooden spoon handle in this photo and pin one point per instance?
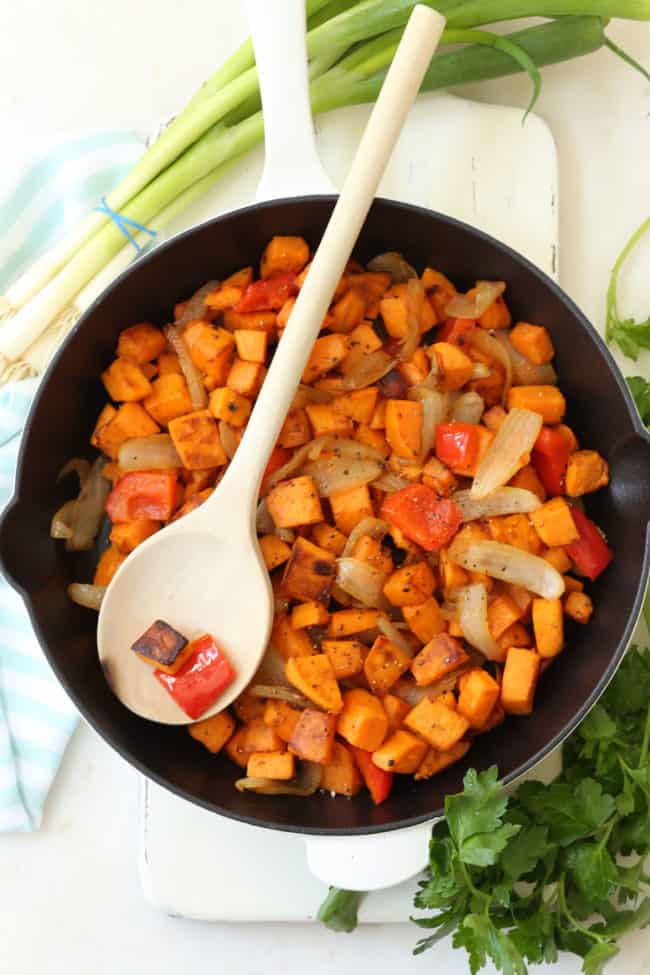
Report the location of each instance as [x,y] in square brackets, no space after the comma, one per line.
[398,92]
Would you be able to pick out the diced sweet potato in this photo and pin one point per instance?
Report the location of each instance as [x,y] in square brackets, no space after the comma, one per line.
[533,342]
[313,736]
[519,680]
[271,765]
[110,561]
[129,421]
[284,255]
[425,619]
[274,551]
[328,537]
[441,656]
[282,718]
[404,427]
[345,656]
[324,419]
[309,573]
[213,732]
[225,296]
[515,530]
[169,398]
[229,406]
[239,279]
[345,622]
[548,401]
[573,585]
[255,736]
[106,415]
[295,430]
[554,523]
[384,664]
[578,606]
[435,761]
[141,343]
[311,613]
[378,421]
[125,382]
[455,368]
[439,725]
[128,535]
[369,550]
[341,774]
[348,311]
[294,502]
[411,585]
[168,364]
[479,694]
[162,646]
[251,344]
[255,321]
[350,507]
[402,752]
[372,438]
[437,475]
[396,710]
[362,722]
[245,377]
[393,310]
[416,369]
[197,440]
[586,471]
[358,405]
[361,342]
[247,707]
[314,677]
[287,640]
[327,353]
[502,613]
[451,575]
[548,626]
[496,315]
[515,636]
[211,349]
[558,558]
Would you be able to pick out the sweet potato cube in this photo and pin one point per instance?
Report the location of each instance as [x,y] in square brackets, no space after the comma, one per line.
[358,405]
[313,736]
[425,619]
[324,419]
[295,430]
[578,606]
[245,378]
[515,530]
[168,364]
[554,523]
[225,296]
[345,656]
[438,724]
[442,655]
[558,558]
[393,310]
[284,255]
[168,399]
[527,479]
[251,344]
[411,585]
[125,382]
[163,646]
[211,349]
[314,677]
[362,722]
[213,732]
[309,573]
[519,680]
[197,440]
[404,427]
[372,438]
[502,613]
[141,343]
[106,415]
[328,351]
[348,311]
[271,765]
[247,707]
[110,561]
[378,421]
[402,752]
[586,471]
[294,502]
[230,407]
[384,665]
[548,401]
[128,535]
[496,315]
[287,640]
[252,737]
[369,550]
[515,636]
[435,761]
[478,695]
[274,551]
[396,710]
[254,321]
[340,774]
[281,717]
[533,342]
[548,626]
[311,613]
[345,622]
[328,537]
[350,507]
[454,366]
[239,279]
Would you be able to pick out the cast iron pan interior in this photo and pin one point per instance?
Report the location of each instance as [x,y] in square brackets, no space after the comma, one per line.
[600,411]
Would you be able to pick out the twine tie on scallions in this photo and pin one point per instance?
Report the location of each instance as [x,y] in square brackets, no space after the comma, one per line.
[124,224]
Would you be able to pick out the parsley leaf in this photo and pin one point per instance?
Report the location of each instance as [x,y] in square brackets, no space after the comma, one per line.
[593,870]
[598,956]
[631,336]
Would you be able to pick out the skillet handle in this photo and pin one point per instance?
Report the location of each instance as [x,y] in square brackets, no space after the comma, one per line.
[291,163]
[629,470]
[369,862]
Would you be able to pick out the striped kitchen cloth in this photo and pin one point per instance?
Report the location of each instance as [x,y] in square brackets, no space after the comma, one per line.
[43,197]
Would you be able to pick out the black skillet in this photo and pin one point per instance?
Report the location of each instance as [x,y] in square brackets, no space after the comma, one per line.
[70,396]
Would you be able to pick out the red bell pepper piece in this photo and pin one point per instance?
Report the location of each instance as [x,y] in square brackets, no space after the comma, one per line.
[144,494]
[422,516]
[279,457]
[456,331]
[590,551]
[457,445]
[201,680]
[378,782]
[550,457]
[267,295]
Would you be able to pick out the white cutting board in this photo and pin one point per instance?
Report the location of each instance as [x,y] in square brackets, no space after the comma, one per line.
[477,163]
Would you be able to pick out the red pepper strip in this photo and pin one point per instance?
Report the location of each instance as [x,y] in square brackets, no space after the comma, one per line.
[422,516]
[590,551]
[267,295]
[279,457]
[143,494]
[378,781]
[456,331]
[550,457]
[457,445]
[200,681]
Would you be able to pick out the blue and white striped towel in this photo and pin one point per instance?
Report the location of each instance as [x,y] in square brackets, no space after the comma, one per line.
[36,717]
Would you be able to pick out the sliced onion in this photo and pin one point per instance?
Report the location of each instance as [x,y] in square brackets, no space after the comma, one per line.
[414,305]
[410,692]
[286,534]
[487,344]
[81,468]
[341,596]
[193,379]
[271,670]
[367,370]
[394,264]
[310,394]
[156,452]
[61,524]
[510,564]
[195,307]
[88,510]
[472,615]
[524,372]
[473,306]
[278,693]
[480,370]
[90,597]
[331,473]
[435,406]
[390,482]
[391,633]
[305,783]
[228,439]
[505,456]
[503,501]
[362,581]
[263,521]
[313,449]
[468,408]
[374,527]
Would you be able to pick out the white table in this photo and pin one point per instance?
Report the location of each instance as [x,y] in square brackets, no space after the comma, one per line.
[69,895]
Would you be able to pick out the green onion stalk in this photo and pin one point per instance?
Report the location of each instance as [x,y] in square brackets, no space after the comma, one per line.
[350,46]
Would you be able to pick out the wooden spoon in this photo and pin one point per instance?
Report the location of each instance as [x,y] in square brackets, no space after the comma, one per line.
[204,573]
